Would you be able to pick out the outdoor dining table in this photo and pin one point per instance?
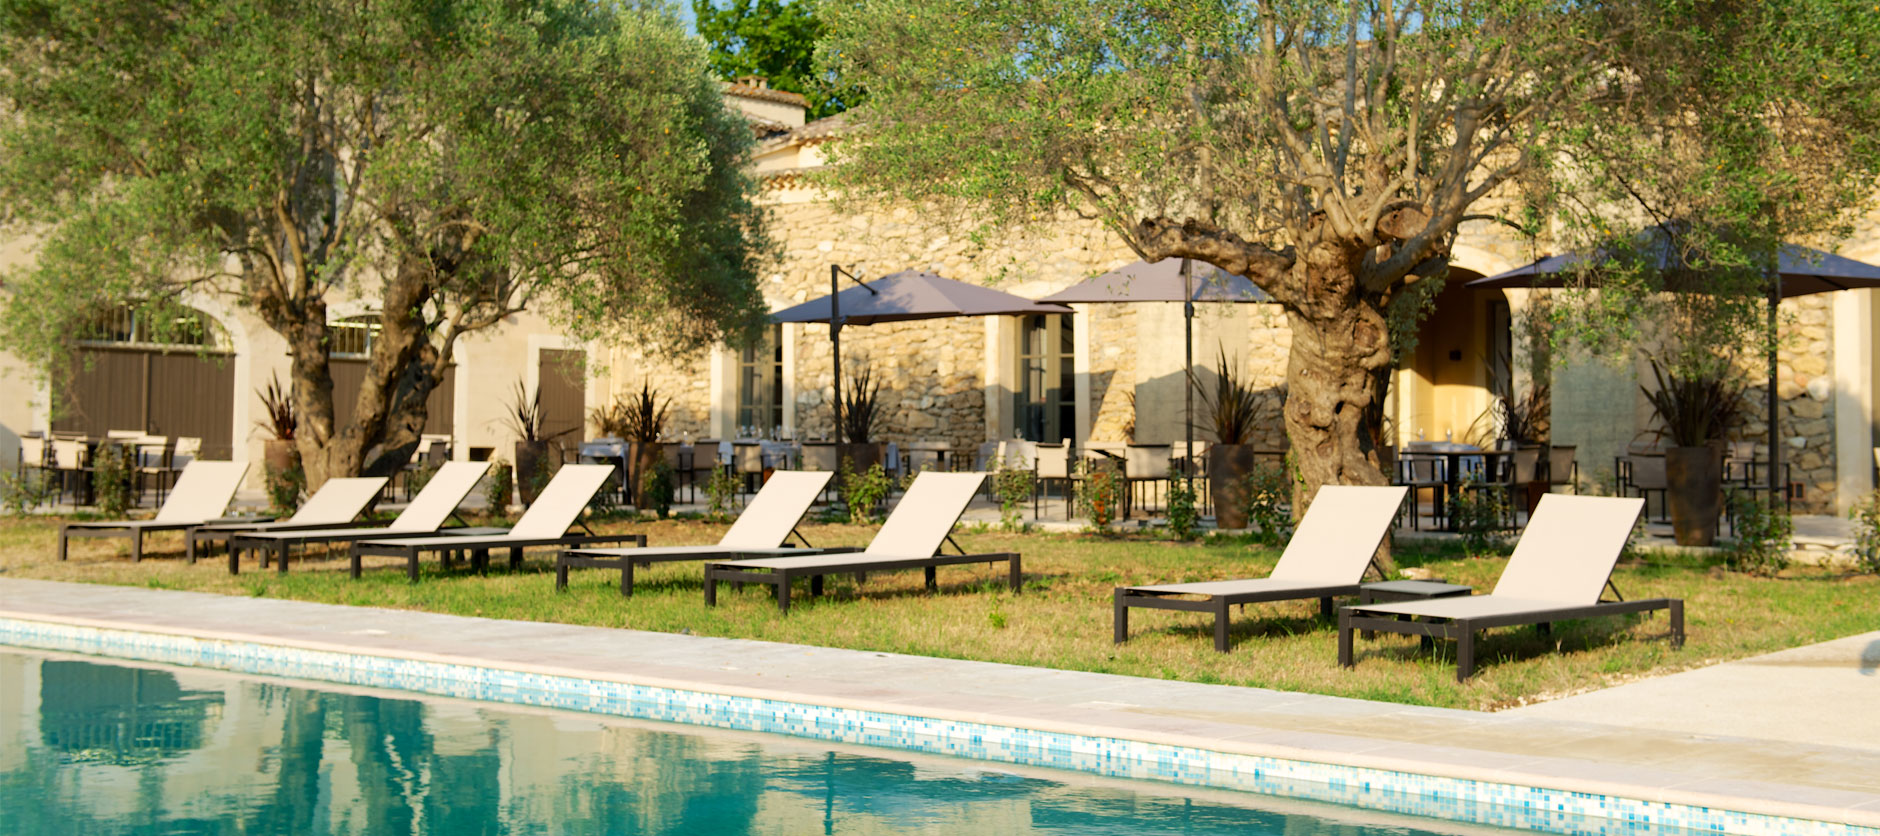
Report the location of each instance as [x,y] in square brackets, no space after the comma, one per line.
[1456,456]
[939,449]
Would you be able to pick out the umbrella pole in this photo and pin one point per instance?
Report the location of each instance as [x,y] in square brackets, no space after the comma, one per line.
[835,351]
[1775,447]
[1188,373]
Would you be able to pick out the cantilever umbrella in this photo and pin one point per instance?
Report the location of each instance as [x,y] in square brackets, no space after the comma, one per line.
[900,297]
[1800,271]
[1168,280]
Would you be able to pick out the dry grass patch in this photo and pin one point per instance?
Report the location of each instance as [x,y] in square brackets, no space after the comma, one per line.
[1062,619]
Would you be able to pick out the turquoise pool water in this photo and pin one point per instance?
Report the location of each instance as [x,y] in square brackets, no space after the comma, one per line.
[89,747]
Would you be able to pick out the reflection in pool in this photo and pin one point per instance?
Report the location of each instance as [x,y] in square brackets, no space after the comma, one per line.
[100,748]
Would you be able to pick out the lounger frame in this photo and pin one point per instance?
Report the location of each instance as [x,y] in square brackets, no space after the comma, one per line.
[192,503]
[278,545]
[780,577]
[1218,605]
[625,562]
[1462,630]
[475,549]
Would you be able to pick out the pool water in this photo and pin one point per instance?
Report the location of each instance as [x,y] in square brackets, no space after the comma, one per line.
[89,747]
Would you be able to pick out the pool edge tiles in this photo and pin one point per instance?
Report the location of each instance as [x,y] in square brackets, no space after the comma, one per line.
[1456,799]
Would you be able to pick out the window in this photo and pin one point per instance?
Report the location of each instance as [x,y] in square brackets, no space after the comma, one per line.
[1046,409]
[162,327]
[760,385]
[353,336]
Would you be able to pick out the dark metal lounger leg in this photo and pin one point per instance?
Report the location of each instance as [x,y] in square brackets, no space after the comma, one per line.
[189,545]
[64,538]
[1465,650]
[626,579]
[711,588]
[1677,622]
[1120,633]
[280,558]
[783,592]
[933,579]
[1325,607]
[411,565]
[1220,624]
[1345,659]
[137,546]
[235,561]
[515,558]
[1018,574]
[353,554]
[815,586]
[561,573]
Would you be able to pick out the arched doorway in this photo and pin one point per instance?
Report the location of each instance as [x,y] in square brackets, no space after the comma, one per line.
[172,377]
[1464,359]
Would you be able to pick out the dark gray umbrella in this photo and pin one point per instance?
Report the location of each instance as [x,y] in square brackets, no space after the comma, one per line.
[1168,280]
[1800,271]
[901,297]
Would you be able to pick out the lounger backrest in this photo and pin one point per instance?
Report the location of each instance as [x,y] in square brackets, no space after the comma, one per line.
[1569,548]
[926,514]
[441,496]
[560,503]
[1339,534]
[202,492]
[770,517]
[339,500]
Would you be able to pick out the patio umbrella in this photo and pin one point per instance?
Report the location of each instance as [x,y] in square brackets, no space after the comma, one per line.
[1800,271]
[1168,280]
[901,297]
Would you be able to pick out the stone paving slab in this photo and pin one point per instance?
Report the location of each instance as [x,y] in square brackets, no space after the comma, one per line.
[1759,767]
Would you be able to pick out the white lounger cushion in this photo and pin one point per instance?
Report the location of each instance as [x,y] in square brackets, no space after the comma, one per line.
[202,492]
[338,501]
[917,528]
[561,503]
[1331,547]
[440,497]
[770,517]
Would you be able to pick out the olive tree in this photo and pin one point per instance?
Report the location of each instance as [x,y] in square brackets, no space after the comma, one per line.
[451,162]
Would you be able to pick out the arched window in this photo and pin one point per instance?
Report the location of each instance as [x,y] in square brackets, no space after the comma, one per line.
[129,326]
[353,336]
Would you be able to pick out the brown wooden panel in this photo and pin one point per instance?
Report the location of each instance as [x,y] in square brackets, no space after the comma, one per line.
[349,375]
[563,381]
[193,396]
[106,393]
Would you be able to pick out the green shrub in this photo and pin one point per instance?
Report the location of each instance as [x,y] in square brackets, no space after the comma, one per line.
[1480,513]
[417,478]
[1013,486]
[284,488]
[1764,535]
[1099,487]
[1269,491]
[863,492]
[500,487]
[656,489]
[111,469]
[1866,514]
[1183,520]
[721,491]
[24,491]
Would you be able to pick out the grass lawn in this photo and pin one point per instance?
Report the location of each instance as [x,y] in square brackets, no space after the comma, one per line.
[1062,619]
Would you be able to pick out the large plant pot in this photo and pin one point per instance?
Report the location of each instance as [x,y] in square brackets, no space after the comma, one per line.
[1694,490]
[534,460]
[1228,468]
[280,456]
[642,457]
[862,455]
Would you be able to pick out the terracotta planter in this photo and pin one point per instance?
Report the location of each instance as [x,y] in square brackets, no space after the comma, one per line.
[531,457]
[280,456]
[1694,490]
[642,456]
[1228,467]
[863,454]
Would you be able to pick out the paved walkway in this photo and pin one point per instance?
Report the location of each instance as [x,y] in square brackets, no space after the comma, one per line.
[1787,758]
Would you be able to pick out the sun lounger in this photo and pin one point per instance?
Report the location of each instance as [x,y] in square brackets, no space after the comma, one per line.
[202,493]
[910,539]
[335,504]
[761,531]
[544,524]
[424,517]
[1328,556]
[1559,570]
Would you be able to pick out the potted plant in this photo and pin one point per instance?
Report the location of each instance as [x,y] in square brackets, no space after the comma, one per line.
[1697,412]
[1230,412]
[860,409]
[535,459]
[279,455]
[645,423]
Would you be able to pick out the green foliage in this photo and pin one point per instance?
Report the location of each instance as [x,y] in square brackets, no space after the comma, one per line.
[1764,535]
[1269,495]
[721,491]
[544,471]
[1013,486]
[453,162]
[863,492]
[1184,519]
[1695,409]
[111,472]
[774,40]
[1866,516]
[418,477]
[1099,487]
[861,400]
[656,489]
[1232,407]
[1481,512]
[21,492]
[499,486]
[284,486]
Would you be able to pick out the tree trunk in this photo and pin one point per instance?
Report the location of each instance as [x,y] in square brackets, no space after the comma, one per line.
[1336,376]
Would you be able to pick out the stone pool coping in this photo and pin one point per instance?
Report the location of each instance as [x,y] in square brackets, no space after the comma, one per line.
[1756,781]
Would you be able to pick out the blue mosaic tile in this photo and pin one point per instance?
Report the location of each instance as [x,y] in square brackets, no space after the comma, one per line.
[1478,802]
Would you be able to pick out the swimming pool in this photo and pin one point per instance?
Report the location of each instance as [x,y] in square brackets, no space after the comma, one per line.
[101,747]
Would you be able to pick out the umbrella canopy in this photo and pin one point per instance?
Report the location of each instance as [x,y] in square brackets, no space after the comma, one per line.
[1161,281]
[915,294]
